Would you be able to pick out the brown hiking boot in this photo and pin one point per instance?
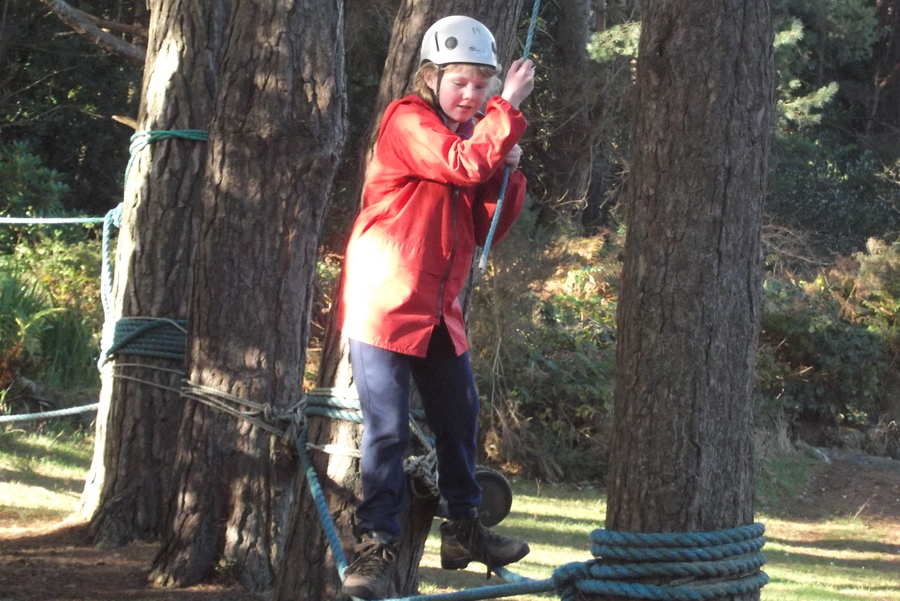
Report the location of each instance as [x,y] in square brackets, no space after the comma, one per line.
[467,540]
[369,576]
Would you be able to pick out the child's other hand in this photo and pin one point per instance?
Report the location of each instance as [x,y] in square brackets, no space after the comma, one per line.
[512,159]
[519,82]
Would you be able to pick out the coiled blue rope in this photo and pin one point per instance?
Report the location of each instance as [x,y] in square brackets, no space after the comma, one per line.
[721,563]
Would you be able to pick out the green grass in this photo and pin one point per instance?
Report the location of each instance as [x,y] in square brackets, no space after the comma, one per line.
[839,560]
[41,475]
[846,559]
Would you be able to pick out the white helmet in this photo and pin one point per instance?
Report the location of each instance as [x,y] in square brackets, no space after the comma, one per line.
[459,39]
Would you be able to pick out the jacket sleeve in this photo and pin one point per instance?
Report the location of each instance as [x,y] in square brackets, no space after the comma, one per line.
[485,205]
[419,140]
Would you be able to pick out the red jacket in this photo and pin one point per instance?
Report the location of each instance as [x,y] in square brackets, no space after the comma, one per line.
[429,199]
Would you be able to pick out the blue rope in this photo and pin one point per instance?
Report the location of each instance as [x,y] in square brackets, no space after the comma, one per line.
[732,553]
[22,417]
[49,220]
[482,262]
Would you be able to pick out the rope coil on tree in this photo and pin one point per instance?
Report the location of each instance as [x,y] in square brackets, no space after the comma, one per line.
[163,343]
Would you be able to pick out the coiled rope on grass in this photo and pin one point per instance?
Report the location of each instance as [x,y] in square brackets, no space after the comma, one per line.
[707,565]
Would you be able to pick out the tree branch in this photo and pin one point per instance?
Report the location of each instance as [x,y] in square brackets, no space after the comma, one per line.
[135,30]
[85,25]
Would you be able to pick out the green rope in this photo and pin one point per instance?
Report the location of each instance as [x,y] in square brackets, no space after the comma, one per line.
[482,261]
[162,338]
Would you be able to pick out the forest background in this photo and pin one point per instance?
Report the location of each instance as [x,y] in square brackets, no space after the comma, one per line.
[542,322]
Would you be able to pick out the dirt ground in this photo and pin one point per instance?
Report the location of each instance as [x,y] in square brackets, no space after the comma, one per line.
[53,562]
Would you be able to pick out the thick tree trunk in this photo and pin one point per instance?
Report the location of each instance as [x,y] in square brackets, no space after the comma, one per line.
[275,137]
[130,482]
[681,458]
[309,570]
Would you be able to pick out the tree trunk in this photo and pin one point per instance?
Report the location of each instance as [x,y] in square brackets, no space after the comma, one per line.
[681,458]
[310,570]
[130,482]
[572,144]
[277,130]
[884,112]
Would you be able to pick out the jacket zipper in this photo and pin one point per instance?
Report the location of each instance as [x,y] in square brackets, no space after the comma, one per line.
[440,307]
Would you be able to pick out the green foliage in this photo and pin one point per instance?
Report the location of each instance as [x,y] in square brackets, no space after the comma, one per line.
[27,189]
[543,327]
[828,348]
[618,40]
[845,197]
[60,92]
[50,315]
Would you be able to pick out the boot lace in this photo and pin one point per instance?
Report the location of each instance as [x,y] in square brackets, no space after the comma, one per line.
[373,557]
[478,541]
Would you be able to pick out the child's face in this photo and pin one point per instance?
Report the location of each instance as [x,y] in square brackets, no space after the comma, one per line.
[463,91]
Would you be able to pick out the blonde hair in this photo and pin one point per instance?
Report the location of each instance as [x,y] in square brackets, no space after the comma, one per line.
[421,89]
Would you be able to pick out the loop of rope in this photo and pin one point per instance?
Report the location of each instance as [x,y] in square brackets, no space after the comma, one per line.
[139,141]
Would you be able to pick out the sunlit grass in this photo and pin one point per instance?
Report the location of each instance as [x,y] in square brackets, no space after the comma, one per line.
[837,560]
[41,475]
[841,559]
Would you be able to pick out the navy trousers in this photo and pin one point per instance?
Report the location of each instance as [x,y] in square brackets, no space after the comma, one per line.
[451,406]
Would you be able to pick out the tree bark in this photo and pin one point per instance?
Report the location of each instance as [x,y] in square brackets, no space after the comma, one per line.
[277,130]
[130,482]
[885,104]
[310,571]
[571,145]
[681,458]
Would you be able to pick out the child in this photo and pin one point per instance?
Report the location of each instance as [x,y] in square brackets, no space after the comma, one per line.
[430,194]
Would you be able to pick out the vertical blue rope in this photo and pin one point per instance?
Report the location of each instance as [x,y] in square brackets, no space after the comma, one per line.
[482,262]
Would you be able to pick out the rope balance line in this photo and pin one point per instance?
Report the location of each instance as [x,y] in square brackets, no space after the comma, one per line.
[5,419]
[482,262]
[49,220]
[709,565]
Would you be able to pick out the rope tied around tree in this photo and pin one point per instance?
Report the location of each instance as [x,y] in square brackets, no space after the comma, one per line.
[145,336]
[706,565]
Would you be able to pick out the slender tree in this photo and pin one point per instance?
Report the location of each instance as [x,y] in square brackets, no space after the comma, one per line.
[681,451]
[309,567]
[275,136]
[128,488]
[885,103]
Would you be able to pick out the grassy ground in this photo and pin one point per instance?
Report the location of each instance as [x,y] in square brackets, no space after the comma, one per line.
[41,475]
[832,529]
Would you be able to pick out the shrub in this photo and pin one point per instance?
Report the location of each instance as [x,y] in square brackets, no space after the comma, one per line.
[27,189]
[543,328]
[50,316]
